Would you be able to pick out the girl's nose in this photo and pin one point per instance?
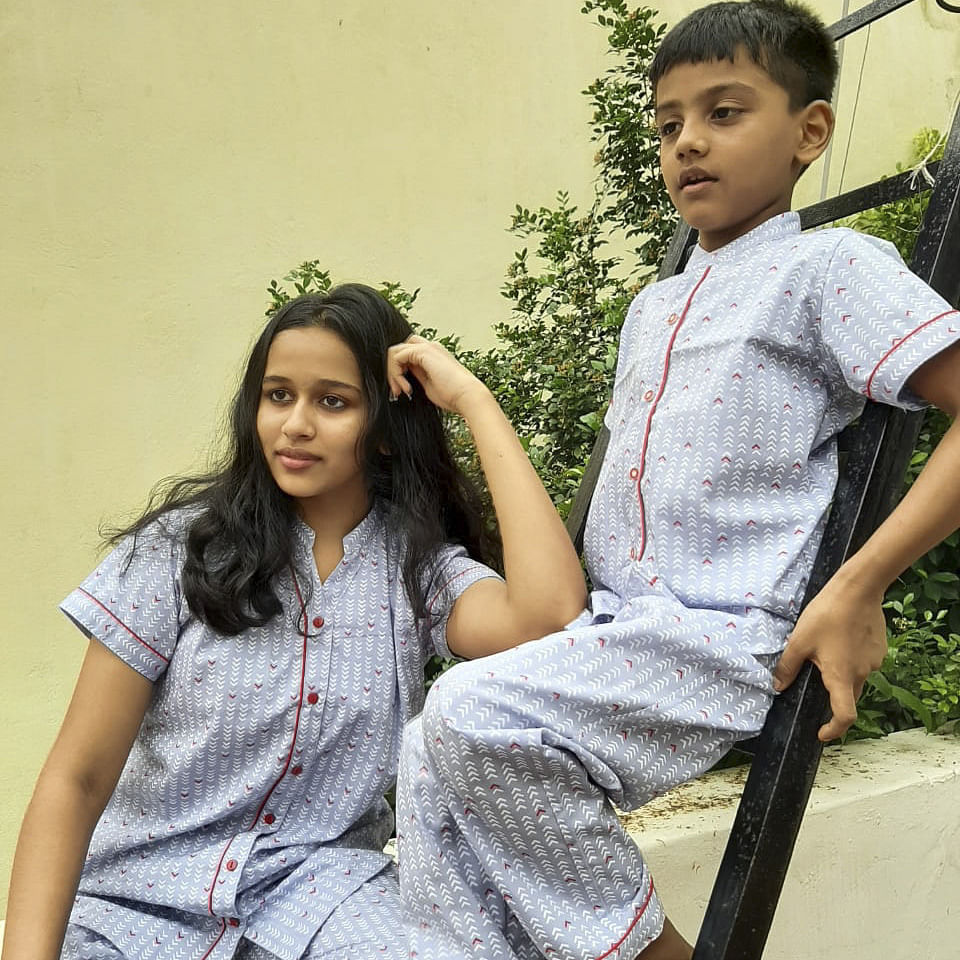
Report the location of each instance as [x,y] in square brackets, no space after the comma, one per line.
[298,423]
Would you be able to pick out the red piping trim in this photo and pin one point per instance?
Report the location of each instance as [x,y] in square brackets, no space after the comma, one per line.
[653,410]
[897,346]
[640,912]
[110,613]
[223,930]
[213,884]
[462,573]
[293,740]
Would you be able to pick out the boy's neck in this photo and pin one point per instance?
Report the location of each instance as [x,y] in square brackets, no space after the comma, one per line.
[715,245]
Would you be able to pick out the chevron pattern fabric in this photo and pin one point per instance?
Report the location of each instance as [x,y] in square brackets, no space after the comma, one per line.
[251,805]
[368,925]
[733,380]
[508,841]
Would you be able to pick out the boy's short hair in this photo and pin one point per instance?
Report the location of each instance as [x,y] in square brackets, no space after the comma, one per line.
[784,38]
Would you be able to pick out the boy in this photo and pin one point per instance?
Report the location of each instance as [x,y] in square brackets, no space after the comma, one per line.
[733,381]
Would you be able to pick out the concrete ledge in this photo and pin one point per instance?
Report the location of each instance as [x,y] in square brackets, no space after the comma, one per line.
[876,870]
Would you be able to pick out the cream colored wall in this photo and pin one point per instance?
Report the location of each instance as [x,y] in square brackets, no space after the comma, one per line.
[161,161]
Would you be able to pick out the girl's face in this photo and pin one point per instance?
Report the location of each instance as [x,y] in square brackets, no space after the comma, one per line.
[310,419]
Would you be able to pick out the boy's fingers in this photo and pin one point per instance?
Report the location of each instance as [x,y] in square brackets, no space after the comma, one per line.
[788,666]
[843,706]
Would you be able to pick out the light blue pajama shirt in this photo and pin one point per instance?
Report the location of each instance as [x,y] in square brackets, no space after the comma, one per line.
[733,381]
[251,804]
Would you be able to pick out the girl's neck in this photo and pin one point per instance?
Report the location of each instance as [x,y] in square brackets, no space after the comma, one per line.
[330,524]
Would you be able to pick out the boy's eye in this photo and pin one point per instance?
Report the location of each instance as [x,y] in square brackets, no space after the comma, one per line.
[668,129]
[725,113]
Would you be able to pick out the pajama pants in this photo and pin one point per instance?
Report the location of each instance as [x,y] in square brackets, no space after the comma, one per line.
[510,847]
[366,926]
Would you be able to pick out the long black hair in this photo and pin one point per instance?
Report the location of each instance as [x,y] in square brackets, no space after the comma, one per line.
[240,533]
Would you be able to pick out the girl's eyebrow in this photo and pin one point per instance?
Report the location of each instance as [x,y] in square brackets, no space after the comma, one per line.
[711,93]
[322,383]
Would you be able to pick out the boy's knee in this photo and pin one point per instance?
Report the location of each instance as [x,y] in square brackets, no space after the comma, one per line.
[451,700]
[462,707]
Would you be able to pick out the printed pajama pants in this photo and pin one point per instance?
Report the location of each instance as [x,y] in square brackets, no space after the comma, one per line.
[366,926]
[510,848]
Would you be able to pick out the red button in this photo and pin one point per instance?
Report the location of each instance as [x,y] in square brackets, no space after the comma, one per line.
[231,865]
[318,622]
[234,922]
[268,818]
[297,770]
[312,698]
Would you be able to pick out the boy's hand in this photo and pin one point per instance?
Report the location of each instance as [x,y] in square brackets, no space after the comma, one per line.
[844,632]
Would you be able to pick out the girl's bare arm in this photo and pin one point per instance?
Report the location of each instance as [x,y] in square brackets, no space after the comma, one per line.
[544,586]
[76,781]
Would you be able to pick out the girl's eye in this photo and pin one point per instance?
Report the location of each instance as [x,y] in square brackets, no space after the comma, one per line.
[279,395]
[668,129]
[332,402]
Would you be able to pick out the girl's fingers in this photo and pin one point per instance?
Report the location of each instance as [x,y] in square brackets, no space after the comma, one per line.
[439,372]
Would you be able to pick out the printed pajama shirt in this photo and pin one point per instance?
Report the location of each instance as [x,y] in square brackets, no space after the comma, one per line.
[733,381]
[249,818]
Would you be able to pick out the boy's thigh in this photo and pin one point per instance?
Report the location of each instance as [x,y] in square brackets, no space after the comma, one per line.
[368,925]
[642,704]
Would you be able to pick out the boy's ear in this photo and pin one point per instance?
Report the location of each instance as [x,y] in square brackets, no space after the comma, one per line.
[816,127]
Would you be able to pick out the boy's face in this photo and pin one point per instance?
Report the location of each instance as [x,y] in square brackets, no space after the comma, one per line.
[731,148]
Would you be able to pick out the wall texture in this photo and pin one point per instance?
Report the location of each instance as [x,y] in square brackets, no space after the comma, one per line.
[161,161]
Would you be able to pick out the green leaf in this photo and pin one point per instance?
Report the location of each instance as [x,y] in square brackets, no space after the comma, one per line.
[905,698]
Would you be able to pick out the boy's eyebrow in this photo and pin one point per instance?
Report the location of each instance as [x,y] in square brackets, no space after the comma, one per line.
[321,382]
[711,93]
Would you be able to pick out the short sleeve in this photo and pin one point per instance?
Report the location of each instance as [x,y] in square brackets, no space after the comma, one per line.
[880,322]
[455,571]
[131,602]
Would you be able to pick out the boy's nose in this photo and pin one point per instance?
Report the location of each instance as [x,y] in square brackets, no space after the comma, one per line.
[691,140]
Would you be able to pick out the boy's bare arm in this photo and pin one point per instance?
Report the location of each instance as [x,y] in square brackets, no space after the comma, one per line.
[843,630]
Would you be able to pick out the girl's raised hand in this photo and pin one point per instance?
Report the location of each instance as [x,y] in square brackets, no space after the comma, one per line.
[447,383]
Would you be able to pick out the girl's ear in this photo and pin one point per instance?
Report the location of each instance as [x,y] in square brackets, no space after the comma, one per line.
[384,450]
[815,123]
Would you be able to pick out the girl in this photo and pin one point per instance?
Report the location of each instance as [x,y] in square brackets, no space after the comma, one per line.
[257,642]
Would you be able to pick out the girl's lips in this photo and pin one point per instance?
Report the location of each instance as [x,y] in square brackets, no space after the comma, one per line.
[299,462]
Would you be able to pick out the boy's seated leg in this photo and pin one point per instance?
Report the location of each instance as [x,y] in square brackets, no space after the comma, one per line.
[528,749]
[453,912]
[668,946]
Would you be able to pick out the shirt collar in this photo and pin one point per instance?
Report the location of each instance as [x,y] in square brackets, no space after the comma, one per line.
[353,543]
[776,228]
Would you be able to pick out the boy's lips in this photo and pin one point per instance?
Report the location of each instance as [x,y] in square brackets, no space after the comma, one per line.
[694,177]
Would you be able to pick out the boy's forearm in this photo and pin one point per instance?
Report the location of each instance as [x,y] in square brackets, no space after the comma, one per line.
[928,513]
